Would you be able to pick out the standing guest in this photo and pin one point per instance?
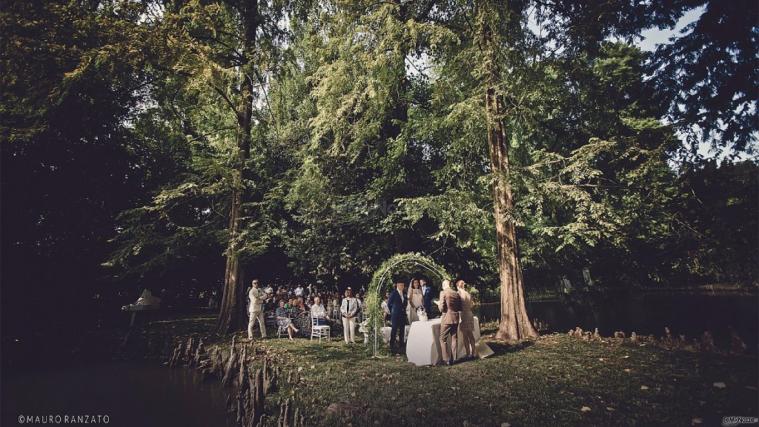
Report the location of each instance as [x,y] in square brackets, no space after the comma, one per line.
[467,319]
[318,312]
[255,309]
[397,303]
[361,307]
[330,305]
[299,291]
[427,297]
[385,308]
[334,304]
[450,307]
[284,322]
[415,300]
[348,310]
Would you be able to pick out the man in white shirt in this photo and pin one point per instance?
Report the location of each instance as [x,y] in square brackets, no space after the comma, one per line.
[299,291]
[348,310]
[255,309]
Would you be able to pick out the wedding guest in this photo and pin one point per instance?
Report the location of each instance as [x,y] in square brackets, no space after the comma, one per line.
[450,307]
[300,306]
[335,303]
[362,308]
[385,308]
[467,320]
[299,291]
[415,300]
[348,310]
[427,296]
[397,303]
[283,320]
[255,309]
[318,312]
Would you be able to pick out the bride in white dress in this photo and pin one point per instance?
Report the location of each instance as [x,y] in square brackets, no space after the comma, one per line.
[415,300]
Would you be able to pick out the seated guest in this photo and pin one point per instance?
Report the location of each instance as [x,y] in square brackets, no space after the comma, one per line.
[300,307]
[318,312]
[283,320]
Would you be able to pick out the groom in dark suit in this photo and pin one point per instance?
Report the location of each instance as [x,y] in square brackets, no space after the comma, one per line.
[427,297]
[397,306]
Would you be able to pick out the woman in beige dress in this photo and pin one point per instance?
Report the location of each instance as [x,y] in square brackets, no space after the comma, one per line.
[414,300]
[467,320]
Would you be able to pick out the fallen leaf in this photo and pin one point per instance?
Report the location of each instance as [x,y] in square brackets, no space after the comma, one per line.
[585,409]
[610,409]
[644,387]
[719,384]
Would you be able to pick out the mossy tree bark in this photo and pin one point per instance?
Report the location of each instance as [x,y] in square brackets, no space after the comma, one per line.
[232,310]
[514,324]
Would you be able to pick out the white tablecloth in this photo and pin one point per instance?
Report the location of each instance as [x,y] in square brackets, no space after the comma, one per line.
[423,342]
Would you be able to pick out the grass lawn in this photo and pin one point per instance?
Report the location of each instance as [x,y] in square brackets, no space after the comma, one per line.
[555,380]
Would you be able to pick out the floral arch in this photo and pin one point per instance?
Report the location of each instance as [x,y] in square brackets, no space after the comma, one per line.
[382,279]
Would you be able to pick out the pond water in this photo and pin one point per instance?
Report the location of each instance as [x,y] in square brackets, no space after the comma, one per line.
[649,314]
[129,393]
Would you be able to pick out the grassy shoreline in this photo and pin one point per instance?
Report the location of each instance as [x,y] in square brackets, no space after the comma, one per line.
[554,380]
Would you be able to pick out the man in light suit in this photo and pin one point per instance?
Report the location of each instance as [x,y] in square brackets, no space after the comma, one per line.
[348,311]
[397,304]
[450,306]
[255,309]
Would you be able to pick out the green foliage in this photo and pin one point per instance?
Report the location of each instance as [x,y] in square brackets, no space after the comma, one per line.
[120,127]
[710,72]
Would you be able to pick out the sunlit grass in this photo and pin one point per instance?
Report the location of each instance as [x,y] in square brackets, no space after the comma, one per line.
[555,380]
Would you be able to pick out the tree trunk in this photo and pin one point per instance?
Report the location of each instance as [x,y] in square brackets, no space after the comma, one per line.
[228,320]
[232,310]
[514,324]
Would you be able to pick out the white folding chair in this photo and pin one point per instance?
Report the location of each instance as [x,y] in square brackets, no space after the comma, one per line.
[319,331]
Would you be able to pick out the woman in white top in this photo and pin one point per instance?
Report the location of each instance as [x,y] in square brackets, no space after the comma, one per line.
[414,299]
[318,312]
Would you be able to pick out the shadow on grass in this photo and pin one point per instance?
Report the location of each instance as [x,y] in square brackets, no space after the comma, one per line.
[332,353]
[501,348]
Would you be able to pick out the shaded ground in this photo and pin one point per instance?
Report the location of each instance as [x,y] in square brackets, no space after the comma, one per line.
[556,380]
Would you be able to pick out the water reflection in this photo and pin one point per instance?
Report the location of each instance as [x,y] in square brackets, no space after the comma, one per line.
[648,314]
[131,394]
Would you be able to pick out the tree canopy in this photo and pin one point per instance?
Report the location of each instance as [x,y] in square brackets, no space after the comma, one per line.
[197,144]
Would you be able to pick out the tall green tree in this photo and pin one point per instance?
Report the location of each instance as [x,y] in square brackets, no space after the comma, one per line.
[73,75]
[514,81]
[710,72]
